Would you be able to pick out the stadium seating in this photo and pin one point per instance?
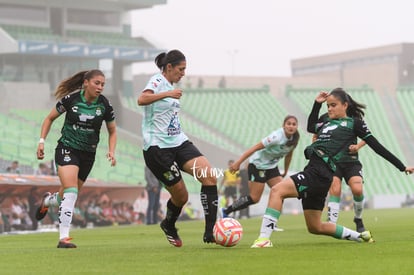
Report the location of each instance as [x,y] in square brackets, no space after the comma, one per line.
[405,97]
[107,39]
[31,33]
[19,141]
[242,115]
[192,126]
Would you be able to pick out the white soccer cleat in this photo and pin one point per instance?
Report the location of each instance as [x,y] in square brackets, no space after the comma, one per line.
[261,243]
[366,236]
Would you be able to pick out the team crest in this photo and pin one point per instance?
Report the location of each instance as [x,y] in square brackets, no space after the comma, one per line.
[168,175]
[66,158]
[98,112]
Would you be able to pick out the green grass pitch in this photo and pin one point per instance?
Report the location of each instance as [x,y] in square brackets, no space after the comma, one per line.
[141,249]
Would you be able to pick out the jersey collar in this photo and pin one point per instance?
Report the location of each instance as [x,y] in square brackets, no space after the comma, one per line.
[82,94]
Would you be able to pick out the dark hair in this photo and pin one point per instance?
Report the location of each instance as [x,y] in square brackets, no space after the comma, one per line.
[75,82]
[355,109]
[295,138]
[173,57]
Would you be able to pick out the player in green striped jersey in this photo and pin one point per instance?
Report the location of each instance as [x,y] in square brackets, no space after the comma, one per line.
[312,184]
[80,98]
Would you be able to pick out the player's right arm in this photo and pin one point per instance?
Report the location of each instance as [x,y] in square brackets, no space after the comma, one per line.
[236,165]
[46,125]
[148,96]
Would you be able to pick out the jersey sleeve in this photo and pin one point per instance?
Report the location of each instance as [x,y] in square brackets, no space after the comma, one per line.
[64,104]
[109,112]
[362,131]
[313,121]
[154,84]
[274,138]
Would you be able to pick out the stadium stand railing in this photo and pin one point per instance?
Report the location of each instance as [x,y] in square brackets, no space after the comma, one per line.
[31,33]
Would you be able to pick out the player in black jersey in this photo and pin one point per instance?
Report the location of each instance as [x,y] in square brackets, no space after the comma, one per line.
[80,97]
[349,168]
[334,135]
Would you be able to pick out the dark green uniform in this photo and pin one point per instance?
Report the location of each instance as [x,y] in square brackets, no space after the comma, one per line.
[333,137]
[83,120]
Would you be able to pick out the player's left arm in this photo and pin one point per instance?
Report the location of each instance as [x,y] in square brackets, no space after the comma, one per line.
[288,159]
[362,131]
[111,126]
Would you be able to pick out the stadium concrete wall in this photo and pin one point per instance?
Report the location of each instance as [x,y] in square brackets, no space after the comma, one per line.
[25,95]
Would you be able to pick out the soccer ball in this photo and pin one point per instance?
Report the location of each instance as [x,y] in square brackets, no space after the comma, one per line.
[227,232]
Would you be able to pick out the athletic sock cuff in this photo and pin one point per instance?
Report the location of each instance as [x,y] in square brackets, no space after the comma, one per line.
[272,212]
[209,189]
[71,190]
[334,199]
[338,232]
[359,198]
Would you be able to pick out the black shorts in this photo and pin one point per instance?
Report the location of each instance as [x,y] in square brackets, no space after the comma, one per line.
[166,163]
[313,184]
[68,156]
[347,170]
[259,175]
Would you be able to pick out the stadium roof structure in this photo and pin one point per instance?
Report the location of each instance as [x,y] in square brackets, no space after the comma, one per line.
[74,29]
[110,5]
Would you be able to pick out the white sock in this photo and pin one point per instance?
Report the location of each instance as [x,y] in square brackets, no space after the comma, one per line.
[358,207]
[65,213]
[333,211]
[269,223]
[346,234]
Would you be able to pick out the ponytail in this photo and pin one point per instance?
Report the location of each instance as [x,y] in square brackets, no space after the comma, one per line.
[75,82]
[173,57]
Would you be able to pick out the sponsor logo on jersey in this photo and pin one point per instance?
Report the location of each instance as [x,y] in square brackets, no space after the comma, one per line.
[85,117]
[329,128]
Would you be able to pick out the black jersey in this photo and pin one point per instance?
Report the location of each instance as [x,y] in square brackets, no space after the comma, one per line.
[346,125]
[335,135]
[83,120]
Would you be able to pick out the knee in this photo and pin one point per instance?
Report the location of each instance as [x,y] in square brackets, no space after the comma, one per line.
[275,191]
[314,229]
[255,198]
[208,180]
[357,191]
[181,200]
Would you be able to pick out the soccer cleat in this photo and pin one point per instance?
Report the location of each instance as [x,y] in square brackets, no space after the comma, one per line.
[223,213]
[42,209]
[278,229]
[65,243]
[366,236]
[208,237]
[359,225]
[262,242]
[171,234]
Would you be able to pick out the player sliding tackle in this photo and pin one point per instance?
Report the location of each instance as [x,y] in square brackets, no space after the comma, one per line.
[334,135]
